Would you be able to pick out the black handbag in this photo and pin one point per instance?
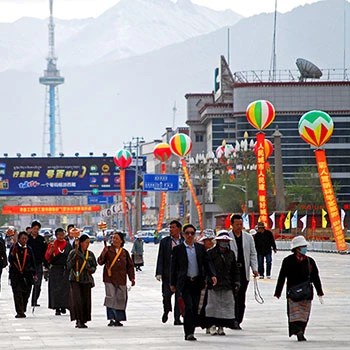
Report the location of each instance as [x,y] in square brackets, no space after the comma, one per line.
[302,291]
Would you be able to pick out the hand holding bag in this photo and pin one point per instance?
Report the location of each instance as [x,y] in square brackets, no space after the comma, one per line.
[302,291]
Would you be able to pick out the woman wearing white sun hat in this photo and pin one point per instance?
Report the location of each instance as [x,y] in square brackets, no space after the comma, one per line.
[298,268]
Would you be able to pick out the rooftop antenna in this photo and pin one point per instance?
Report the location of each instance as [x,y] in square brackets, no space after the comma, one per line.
[273,55]
[228,46]
[307,69]
[174,114]
[344,43]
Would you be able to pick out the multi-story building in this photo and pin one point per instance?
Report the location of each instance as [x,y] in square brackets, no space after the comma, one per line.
[220,115]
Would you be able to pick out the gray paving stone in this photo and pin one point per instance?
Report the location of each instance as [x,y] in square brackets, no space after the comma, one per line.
[264,327]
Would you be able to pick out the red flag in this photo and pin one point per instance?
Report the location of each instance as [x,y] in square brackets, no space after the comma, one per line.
[313,223]
[281,222]
[252,219]
[228,222]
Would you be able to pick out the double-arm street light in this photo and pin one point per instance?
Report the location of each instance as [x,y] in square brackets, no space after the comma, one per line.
[202,167]
[245,163]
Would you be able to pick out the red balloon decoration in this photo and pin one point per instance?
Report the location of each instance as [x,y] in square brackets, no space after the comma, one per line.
[162,152]
[268,149]
[123,158]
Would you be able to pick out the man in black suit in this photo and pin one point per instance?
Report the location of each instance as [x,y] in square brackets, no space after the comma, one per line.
[39,246]
[190,265]
[163,270]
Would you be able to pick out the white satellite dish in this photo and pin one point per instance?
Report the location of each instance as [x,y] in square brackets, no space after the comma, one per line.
[307,69]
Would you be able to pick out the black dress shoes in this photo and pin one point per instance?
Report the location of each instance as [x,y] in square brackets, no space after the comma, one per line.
[178,323]
[58,312]
[190,337]
[300,336]
[236,325]
[20,316]
[165,317]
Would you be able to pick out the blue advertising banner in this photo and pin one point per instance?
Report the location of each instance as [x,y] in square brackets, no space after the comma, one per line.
[161,182]
[79,176]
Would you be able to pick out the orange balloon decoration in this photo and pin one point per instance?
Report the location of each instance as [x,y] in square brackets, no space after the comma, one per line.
[316,128]
[123,159]
[268,149]
[181,145]
[260,114]
[162,152]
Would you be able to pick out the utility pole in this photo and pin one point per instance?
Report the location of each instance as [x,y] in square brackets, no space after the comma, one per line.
[138,204]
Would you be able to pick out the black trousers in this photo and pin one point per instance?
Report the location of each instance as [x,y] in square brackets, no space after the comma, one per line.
[167,294]
[37,285]
[191,295]
[240,300]
[21,288]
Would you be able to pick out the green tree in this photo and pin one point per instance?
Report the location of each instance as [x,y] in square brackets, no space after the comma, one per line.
[305,188]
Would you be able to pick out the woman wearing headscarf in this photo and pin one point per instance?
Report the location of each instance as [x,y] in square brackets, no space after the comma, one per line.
[298,268]
[81,264]
[57,254]
[137,253]
[220,309]
[118,266]
[22,273]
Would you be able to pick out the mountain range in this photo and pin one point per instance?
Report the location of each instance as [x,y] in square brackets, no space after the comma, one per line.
[125,69]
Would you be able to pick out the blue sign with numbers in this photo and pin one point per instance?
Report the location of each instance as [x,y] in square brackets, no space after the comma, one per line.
[161,182]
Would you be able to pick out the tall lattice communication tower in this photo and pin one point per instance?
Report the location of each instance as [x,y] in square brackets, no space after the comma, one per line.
[52,138]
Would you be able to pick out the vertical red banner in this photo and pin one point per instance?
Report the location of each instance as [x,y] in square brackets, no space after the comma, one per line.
[162,204]
[190,186]
[330,200]
[123,194]
[261,177]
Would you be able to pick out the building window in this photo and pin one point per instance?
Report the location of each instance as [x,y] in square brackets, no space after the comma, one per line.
[199,137]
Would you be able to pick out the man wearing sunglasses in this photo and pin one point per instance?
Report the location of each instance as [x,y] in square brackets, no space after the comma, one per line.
[190,265]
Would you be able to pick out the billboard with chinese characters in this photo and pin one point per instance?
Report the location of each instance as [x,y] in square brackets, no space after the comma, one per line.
[79,176]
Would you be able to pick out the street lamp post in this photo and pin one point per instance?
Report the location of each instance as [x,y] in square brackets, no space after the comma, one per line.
[203,166]
[245,163]
[138,140]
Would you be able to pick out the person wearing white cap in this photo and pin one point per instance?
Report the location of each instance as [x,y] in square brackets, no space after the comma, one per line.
[208,239]
[244,248]
[220,309]
[298,268]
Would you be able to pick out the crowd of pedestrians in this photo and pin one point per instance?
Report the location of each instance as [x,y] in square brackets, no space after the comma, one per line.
[207,273]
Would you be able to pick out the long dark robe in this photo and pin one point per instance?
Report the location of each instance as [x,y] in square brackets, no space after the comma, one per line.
[80,291]
[58,281]
[21,282]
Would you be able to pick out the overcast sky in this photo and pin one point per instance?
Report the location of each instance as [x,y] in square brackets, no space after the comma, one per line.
[11,10]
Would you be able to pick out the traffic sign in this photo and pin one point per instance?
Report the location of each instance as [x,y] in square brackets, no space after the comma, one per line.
[161,182]
[100,200]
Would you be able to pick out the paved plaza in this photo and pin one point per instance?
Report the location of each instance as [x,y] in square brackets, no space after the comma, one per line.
[264,327]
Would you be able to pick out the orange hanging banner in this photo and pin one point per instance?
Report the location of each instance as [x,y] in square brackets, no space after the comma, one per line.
[261,177]
[162,204]
[189,183]
[330,200]
[123,194]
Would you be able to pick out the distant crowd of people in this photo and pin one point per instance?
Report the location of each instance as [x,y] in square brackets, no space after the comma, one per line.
[207,273]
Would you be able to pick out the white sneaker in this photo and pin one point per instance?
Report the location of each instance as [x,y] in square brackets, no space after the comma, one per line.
[221,331]
[268,277]
[261,277]
[213,330]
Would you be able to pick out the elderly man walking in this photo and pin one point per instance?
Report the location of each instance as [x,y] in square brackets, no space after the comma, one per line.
[244,248]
